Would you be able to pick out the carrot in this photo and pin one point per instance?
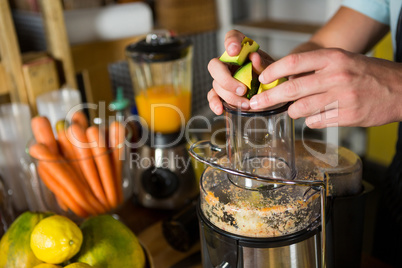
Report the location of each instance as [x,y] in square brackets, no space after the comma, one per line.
[43,133]
[66,148]
[99,207]
[81,183]
[61,204]
[61,125]
[103,163]
[61,194]
[94,203]
[116,141]
[80,119]
[68,152]
[52,164]
[77,136]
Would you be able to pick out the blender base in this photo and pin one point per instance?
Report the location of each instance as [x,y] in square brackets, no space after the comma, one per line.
[163,174]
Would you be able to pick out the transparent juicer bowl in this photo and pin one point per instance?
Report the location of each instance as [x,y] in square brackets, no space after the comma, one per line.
[264,213]
[253,187]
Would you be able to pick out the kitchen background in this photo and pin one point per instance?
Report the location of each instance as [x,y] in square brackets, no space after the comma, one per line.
[277,25]
[98,67]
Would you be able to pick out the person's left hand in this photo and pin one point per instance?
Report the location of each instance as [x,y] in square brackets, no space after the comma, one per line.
[227,88]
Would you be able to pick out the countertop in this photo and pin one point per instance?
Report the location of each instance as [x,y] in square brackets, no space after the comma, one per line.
[147,225]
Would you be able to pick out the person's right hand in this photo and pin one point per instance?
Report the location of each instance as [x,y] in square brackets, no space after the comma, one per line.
[224,85]
[334,87]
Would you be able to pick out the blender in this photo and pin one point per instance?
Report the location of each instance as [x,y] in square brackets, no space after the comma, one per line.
[161,71]
[265,198]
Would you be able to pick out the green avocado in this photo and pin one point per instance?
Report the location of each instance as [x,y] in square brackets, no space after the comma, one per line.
[264,87]
[255,85]
[247,46]
[246,75]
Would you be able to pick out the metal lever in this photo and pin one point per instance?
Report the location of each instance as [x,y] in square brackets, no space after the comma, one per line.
[316,190]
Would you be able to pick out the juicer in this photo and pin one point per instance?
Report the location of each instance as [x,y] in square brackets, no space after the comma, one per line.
[161,71]
[265,199]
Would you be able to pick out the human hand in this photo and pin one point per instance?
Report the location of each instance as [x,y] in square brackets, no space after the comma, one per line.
[333,87]
[224,85]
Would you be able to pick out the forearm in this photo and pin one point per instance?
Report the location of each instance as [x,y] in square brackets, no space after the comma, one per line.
[304,47]
[348,30]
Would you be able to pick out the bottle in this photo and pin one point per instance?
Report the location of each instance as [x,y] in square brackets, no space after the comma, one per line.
[121,106]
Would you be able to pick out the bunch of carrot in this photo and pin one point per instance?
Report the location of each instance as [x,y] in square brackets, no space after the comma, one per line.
[81,167]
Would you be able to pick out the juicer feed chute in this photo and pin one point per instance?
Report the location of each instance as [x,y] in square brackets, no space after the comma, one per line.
[260,143]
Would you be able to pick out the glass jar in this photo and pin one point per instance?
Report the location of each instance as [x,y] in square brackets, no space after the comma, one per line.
[6,210]
[79,198]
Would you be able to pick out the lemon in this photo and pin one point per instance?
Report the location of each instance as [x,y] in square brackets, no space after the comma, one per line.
[264,87]
[56,239]
[47,265]
[78,265]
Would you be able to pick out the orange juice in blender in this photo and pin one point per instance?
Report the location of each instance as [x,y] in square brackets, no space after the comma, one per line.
[161,71]
[163,108]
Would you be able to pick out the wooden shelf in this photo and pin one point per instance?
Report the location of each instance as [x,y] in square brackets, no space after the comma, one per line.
[274,28]
[294,27]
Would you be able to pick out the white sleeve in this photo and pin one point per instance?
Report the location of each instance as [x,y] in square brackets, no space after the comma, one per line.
[376,9]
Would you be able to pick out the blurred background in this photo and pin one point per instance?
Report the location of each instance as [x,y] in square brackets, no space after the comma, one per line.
[48,44]
[97,49]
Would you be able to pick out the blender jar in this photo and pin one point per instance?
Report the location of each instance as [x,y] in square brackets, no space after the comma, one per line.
[161,71]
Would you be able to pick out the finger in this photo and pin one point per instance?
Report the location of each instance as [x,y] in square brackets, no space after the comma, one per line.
[291,90]
[259,62]
[231,98]
[329,118]
[233,41]
[294,64]
[313,104]
[215,104]
[265,58]
[220,73]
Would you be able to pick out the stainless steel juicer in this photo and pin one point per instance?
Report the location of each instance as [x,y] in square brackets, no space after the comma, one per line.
[263,198]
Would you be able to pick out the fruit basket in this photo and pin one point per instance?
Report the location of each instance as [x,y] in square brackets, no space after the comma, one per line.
[99,241]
